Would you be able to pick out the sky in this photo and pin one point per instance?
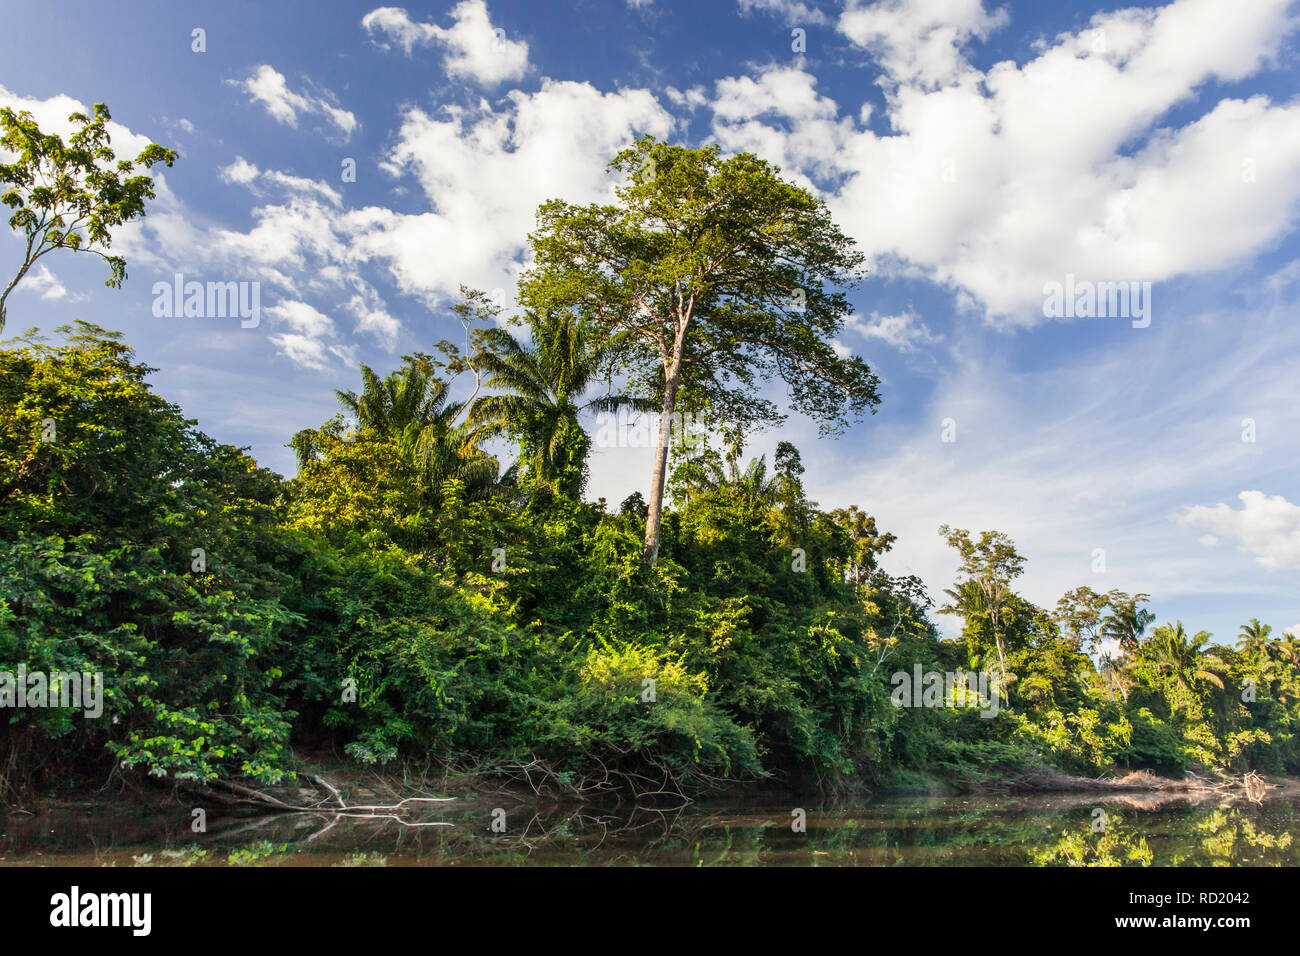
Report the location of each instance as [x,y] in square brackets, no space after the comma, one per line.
[361,163]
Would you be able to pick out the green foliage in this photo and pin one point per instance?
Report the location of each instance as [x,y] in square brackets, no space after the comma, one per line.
[106,496]
[483,622]
[71,195]
[543,385]
[722,275]
[1117,844]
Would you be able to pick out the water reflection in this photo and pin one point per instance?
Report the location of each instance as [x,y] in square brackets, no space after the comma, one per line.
[1047,830]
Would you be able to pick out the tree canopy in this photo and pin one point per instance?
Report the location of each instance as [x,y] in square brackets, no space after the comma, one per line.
[723,275]
[71,195]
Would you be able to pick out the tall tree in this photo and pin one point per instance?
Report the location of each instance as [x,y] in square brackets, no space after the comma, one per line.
[1254,638]
[723,274]
[1079,612]
[866,542]
[1127,620]
[71,195]
[990,565]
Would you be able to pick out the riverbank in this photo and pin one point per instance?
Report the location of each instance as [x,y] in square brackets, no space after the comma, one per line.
[324,784]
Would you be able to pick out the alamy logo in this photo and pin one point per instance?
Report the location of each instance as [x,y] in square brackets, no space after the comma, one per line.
[75,909]
[24,689]
[628,429]
[208,300]
[1083,299]
[946,689]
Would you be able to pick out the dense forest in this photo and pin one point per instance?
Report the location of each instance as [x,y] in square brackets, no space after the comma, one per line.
[434,584]
[407,597]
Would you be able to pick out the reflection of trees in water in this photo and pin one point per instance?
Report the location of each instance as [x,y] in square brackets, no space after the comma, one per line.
[1047,829]
[1228,835]
[1246,837]
[1116,844]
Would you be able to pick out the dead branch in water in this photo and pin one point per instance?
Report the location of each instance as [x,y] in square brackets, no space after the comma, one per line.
[249,796]
[1049,780]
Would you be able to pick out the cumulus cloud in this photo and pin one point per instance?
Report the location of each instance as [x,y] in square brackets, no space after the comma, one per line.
[920,43]
[904,331]
[475,49]
[267,86]
[780,116]
[1267,526]
[311,338]
[244,173]
[790,12]
[996,183]
[484,173]
[45,283]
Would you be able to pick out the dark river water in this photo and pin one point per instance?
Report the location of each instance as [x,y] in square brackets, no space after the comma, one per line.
[1053,829]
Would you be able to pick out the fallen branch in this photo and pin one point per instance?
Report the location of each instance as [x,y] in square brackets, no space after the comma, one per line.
[250,796]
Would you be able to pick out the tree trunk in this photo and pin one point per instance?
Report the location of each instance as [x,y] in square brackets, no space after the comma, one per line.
[660,476]
[27,264]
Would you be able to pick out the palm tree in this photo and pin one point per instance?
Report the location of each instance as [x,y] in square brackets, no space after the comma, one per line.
[1254,639]
[411,407]
[1112,668]
[1289,649]
[1127,622]
[543,383]
[754,486]
[1185,659]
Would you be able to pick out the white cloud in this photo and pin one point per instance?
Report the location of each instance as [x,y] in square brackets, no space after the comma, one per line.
[904,331]
[303,318]
[313,339]
[996,183]
[268,86]
[1267,526]
[244,173]
[791,12]
[475,49]
[780,116]
[240,171]
[382,326]
[920,42]
[302,350]
[485,172]
[297,247]
[46,284]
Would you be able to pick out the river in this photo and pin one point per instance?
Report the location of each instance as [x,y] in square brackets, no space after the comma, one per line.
[1050,829]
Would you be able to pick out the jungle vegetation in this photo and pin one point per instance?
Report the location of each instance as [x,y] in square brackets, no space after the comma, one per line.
[404,596]
[435,583]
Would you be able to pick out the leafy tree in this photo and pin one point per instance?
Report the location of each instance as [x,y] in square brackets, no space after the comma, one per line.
[71,195]
[866,542]
[1184,659]
[1080,613]
[542,385]
[135,546]
[723,275]
[989,565]
[1289,649]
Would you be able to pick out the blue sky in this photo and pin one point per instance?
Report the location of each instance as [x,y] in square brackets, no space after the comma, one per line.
[976,152]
